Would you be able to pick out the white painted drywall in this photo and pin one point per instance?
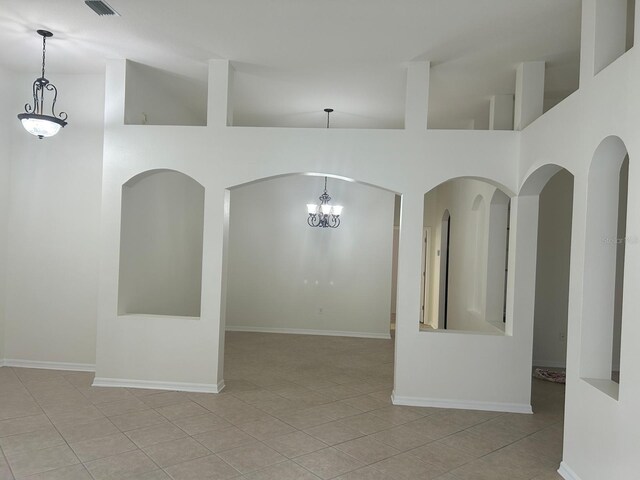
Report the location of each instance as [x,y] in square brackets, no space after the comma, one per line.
[221,157]
[285,275]
[6,128]
[552,274]
[52,241]
[468,203]
[621,244]
[161,245]
[601,434]
[158,97]
[54,222]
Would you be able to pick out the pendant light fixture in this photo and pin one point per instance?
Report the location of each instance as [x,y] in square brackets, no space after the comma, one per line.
[34,120]
[324,215]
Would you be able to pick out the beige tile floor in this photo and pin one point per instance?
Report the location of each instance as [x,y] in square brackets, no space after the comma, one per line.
[295,407]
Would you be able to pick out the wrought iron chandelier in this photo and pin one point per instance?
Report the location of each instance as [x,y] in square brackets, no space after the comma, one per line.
[34,120]
[324,215]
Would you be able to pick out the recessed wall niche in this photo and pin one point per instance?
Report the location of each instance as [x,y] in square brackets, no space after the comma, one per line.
[159,97]
[605,243]
[161,245]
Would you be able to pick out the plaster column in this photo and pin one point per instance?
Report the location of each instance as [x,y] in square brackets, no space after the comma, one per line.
[219,107]
[611,32]
[417,98]
[501,112]
[604,35]
[521,281]
[529,93]
[114,92]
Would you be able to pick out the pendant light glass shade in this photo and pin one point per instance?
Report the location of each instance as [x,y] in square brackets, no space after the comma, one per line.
[41,125]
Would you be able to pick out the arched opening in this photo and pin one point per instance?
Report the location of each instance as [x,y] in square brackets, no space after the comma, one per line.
[604,261]
[544,213]
[161,245]
[307,308]
[464,286]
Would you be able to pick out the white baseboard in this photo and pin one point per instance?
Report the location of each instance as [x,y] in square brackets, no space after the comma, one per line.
[463,405]
[72,367]
[157,385]
[549,364]
[304,331]
[2,362]
[566,472]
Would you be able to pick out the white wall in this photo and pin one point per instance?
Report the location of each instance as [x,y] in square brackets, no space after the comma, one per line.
[158,97]
[469,203]
[161,245]
[54,223]
[53,240]
[5,172]
[220,157]
[552,272]
[601,432]
[621,243]
[286,275]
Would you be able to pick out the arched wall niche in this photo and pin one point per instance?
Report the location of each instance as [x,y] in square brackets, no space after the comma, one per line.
[161,239]
[459,297]
[603,284]
[299,279]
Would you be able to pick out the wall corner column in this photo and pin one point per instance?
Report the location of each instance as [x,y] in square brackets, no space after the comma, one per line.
[604,35]
[219,105]
[115,92]
[501,112]
[529,98]
[417,96]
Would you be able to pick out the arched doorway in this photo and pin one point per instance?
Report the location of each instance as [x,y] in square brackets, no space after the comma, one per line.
[308,309]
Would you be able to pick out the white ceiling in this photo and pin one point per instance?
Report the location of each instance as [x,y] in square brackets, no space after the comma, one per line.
[295,57]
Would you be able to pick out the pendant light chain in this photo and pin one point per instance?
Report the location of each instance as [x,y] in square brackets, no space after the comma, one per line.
[44,47]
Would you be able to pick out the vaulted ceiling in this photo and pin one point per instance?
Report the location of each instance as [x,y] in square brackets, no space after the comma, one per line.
[295,57]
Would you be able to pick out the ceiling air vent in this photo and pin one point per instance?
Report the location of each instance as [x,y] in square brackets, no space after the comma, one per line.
[100,7]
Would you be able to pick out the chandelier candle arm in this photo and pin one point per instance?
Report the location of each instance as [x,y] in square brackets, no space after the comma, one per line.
[34,120]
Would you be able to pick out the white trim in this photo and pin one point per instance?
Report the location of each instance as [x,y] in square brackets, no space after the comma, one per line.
[72,367]
[2,362]
[549,364]
[461,404]
[566,472]
[304,331]
[159,385]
